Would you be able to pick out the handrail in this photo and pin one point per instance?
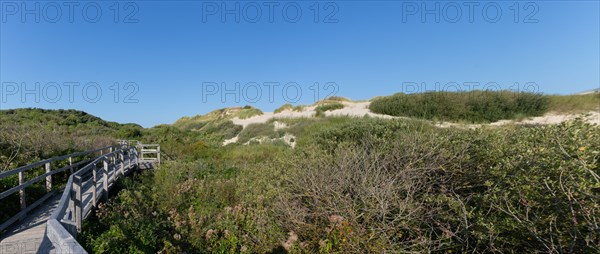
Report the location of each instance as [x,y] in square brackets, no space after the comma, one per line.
[47,175]
[65,222]
[42,162]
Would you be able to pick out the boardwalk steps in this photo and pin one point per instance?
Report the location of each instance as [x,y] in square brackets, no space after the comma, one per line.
[51,223]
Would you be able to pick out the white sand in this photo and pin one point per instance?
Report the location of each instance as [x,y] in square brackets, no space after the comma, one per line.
[360,109]
[550,118]
[351,109]
[231,140]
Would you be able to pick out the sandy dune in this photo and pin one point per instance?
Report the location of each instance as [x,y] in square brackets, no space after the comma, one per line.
[360,109]
[352,109]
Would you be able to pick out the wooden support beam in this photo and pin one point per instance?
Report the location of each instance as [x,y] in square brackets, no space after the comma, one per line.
[158,154]
[22,192]
[71,164]
[48,178]
[105,180]
[78,202]
[94,187]
[121,162]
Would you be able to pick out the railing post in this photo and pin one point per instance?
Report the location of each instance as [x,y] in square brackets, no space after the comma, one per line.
[71,164]
[94,186]
[142,152]
[48,178]
[105,180]
[22,191]
[158,154]
[128,158]
[78,202]
[121,162]
[72,202]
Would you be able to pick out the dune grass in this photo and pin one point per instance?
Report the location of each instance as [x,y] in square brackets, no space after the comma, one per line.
[475,106]
[574,103]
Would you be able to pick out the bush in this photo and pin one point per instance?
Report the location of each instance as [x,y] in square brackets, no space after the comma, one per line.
[476,106]
[363,185]
[329,107]
[574,103]
[249,111]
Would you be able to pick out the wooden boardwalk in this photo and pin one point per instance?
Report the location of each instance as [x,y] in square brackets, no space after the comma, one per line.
[51,226]
[29,235]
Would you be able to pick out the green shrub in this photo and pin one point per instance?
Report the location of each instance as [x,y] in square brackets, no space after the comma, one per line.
[329,107]
[475,106]
[574,103]
[248,111]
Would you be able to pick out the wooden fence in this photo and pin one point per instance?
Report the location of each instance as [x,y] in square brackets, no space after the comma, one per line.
[88,184]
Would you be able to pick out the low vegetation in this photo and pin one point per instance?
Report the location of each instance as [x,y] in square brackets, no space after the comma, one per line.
[350,185]
[369,185]
[258,130]
[329,107]
[29,135]
[285,107]
[248,111]
[288,106]
[574,103]
[216,117]
[475,107]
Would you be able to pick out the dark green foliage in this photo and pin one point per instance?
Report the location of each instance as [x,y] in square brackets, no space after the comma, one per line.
[30,135]
[476,106]
[368,185]
[359,185]
[329,107]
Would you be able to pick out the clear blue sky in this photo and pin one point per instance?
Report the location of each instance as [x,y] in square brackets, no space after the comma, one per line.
[175,52]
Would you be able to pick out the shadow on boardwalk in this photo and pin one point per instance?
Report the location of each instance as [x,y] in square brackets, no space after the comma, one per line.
[29,235]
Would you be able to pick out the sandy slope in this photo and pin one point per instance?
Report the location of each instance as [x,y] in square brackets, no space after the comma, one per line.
[360,109]
[550,118]
[352,109]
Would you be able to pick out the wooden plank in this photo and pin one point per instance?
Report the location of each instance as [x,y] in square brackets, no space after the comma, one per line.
[63,204]
[105,181]
[71,164]
[22,192]
[78,208]
[113,167]
[49,177]
[61,239]
[24,212]
[94,188]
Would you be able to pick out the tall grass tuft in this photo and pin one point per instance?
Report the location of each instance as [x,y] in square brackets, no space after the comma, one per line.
[475,106]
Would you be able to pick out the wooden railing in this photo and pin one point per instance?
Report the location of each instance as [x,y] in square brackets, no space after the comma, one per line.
[85,188]
[49,172]
[149,149]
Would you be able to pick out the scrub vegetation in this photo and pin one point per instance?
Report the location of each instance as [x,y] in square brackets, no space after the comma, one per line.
[350,185]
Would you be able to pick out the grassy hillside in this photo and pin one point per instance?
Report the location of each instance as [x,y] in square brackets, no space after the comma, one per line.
[29,135]
[476,106]
[199,122]
[359,185]
[481,106]
[574,103]
[350,185]
[39,133]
